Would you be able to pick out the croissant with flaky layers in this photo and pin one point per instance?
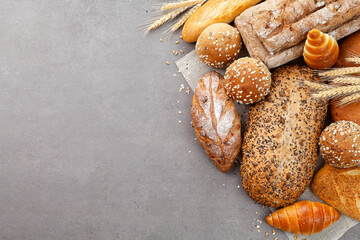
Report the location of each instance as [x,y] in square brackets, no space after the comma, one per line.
[304,217]
[321,50]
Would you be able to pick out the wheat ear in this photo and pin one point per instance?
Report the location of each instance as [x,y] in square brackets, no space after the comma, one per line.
[340,71]
[167,17]
[317,86]
[349,99]
[337,92]
[346,80]
[175,5]
[179,23]
[355,60]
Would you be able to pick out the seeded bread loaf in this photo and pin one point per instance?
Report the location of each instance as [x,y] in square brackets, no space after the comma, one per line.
[216,121]
[340,188]
[280,146]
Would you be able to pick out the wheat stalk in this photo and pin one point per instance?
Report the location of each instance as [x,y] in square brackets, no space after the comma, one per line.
[179,23]
[337,92]
[317,86]
[167,17]
[175,5]
[346,80]
[340,71]
[349,99]
[355,60]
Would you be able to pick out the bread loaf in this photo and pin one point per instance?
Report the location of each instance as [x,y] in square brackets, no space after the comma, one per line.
[214,11]
[340,188]
[350,47]
[280,147]
[274,31]
[216,121]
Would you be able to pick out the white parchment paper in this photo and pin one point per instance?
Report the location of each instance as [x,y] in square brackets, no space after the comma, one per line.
[193,69]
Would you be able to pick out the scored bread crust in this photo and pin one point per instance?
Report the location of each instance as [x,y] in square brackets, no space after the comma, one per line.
[339,188]
[275,30]
[280,147]
[216,121]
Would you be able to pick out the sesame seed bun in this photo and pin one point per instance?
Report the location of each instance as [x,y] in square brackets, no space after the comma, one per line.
[218,45]
[340,144]
[247,80]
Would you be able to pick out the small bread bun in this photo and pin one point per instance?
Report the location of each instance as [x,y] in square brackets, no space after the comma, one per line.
[247,80]
[340,144]
[350,47]
[218,45]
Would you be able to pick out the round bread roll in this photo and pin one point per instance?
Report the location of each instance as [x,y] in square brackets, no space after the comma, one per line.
[350,47]
[218,45]
[340,144]
[247,80]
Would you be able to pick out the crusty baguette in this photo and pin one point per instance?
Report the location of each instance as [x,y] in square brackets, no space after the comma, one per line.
[214,11]
[275,30]
[340,188]
[216,121]
[280,147]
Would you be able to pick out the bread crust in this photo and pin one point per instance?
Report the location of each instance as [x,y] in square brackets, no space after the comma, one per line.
[350,112]
[339,188]
[350,47]
[274,31]
[216,121]
[213,11]
[280,147]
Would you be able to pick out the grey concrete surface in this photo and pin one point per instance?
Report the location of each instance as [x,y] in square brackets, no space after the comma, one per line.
[90,143]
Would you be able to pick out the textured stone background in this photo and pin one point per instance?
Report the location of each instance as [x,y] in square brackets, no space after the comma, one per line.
[90,143]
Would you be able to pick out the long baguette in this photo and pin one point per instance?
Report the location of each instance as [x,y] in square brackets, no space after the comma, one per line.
[214,11]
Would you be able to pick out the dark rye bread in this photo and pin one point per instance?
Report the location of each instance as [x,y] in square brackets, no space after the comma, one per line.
[280,146]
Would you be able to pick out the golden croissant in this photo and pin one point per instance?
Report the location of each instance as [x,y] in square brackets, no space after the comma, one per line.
[304,217]
[321,50]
